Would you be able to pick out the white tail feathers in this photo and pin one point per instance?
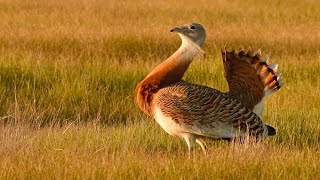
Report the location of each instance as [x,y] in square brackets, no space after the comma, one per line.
[270,76]
[273,66]
[271,79]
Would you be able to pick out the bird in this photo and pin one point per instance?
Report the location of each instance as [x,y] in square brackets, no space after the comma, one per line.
[196,112]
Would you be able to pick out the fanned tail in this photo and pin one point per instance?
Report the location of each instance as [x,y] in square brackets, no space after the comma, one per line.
[248,70]
[251,78]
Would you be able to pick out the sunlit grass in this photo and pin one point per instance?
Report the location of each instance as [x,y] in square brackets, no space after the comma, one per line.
[68,70]
[144,151]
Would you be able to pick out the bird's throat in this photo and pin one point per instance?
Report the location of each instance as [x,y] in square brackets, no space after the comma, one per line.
[172,70]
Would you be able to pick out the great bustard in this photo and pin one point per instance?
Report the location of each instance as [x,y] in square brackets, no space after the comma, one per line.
[193,111]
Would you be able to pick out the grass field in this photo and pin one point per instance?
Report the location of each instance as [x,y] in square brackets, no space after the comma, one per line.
[68,70]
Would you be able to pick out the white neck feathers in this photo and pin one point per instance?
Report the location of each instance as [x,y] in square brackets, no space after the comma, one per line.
[188,49]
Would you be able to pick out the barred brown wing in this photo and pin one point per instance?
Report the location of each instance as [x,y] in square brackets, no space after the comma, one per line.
[206,111]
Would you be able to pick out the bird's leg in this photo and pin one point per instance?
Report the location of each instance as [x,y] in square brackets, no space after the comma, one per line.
[190,139]
[203,145]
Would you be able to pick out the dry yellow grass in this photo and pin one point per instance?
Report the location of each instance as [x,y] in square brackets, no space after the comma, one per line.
[68,71]
[131,152]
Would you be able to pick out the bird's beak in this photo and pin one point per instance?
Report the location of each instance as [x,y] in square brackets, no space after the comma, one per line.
[177,29]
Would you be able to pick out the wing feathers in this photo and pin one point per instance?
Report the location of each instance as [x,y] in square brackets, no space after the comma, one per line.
[207,112]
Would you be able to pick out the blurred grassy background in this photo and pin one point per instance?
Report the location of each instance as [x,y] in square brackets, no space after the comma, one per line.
[74,64]
[80,60]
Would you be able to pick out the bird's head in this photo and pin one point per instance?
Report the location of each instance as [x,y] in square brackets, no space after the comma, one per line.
[192,31]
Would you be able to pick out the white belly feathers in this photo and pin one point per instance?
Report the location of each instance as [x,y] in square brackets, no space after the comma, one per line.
[167,123]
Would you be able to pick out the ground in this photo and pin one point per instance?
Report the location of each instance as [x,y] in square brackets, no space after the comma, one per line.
[68,70]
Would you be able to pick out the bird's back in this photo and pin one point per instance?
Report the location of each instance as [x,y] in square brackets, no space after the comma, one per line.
[204,111]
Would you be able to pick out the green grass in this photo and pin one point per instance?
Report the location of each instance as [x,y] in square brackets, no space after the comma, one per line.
[68,71]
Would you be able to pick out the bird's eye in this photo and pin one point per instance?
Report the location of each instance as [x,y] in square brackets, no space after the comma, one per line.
[192,27]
